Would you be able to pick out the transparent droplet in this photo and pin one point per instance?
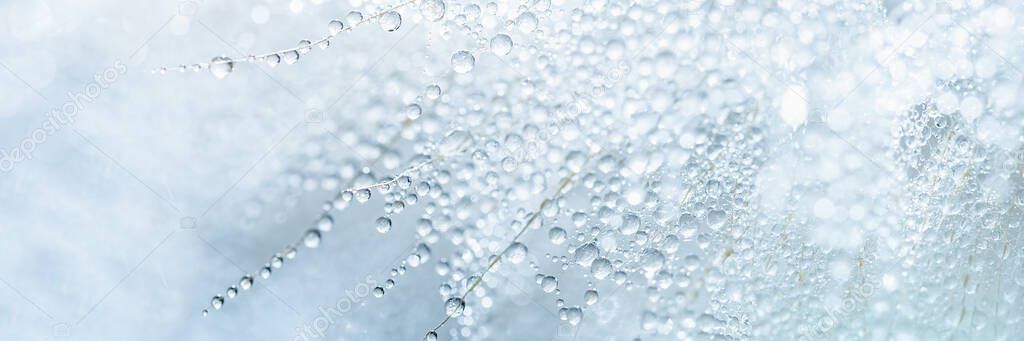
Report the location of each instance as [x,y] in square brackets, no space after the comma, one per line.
[304,46]
[463,61]
[516,253]
[413,111]
[290,57]
[363,195]
[501,44]
[245,283]
[335,27]
[311,239]
[378,292]
[221,67]
[431,336]
[454,306]
[557,235]
[390,21]
[217,302]
[432,10]
[433,91]
[325,223]
[383,224]
[549,283]
[590,297]
[354,18]
[232,292]
[586,254]
[265,272]
[601,268]
[273,60]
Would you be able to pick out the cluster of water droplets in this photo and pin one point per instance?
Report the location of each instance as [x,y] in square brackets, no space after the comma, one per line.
[652,150]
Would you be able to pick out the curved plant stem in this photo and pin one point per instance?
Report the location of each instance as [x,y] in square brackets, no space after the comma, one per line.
[529,222]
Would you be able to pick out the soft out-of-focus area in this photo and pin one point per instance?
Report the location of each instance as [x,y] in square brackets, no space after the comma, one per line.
[525,170]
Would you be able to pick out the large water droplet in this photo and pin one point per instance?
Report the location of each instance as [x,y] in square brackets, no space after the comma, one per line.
[390,21]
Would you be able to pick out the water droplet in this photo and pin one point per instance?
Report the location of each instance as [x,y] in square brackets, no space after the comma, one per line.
[516,253]
[601,268]
[501,44]
[304,46]
[557,235]
[363,195]
[454,306]
[526,22]
[245,283]
[290,57]
[431,336]
[354,18]
[335,27]
[265,272]
[325,223]
[590,297]
[413,111]
[273,60]
[432,10]
[586,254]
[548,283]
[390,21]
[221,67]
[463,61]
[383,224]
[630,224]
[232,292]
[433,91]
[217,302]
[312,239]
[378,292]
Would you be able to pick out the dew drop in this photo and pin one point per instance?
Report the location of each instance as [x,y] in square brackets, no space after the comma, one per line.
[273,60]
[290,57]
[590,297]
[354,18]
[217,302]
[304,46]
[431,336]
[245,283]
[383,224]
[463,61]
[221,67]
[516,253]
[586,254]
[501,44]
[378,292]
[557,235]
[413,111]
[311,239]
[390,21]
[432,10]
[454,306]
[548,283]
[335,27]
[601,268]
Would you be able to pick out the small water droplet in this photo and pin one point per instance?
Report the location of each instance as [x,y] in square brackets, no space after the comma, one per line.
[501,44]
[463,61]
[335,27]
[312,239]
[221,67]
